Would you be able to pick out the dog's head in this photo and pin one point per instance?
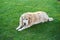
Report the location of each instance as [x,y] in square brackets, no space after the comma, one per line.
[26,20]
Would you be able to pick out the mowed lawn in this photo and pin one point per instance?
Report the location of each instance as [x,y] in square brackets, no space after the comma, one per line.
[11,10]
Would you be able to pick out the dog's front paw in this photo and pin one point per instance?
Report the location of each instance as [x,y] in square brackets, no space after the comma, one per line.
[19,29]
[16,28]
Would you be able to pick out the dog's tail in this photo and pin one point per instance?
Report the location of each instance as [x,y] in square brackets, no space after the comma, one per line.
[50,19]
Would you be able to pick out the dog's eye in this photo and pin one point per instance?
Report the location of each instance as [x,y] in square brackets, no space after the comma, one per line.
[26,19]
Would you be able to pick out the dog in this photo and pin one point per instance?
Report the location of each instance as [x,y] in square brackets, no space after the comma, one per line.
[30,18]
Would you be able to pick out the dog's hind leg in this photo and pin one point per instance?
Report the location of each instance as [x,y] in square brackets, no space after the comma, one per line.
[50,19]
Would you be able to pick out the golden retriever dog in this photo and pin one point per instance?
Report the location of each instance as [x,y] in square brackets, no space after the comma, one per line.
[30,18]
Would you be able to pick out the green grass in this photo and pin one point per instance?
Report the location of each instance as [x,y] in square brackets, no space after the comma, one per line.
[10,11]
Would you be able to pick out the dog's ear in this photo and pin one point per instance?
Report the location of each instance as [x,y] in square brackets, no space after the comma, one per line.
[29,19]
[21,21]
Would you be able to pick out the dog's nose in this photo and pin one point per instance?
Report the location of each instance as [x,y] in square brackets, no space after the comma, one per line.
[24,23]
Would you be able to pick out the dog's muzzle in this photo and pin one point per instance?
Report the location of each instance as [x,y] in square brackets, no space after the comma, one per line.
[24,23]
